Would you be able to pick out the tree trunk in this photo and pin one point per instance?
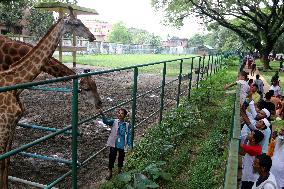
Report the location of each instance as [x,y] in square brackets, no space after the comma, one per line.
[264,56]
[265,61]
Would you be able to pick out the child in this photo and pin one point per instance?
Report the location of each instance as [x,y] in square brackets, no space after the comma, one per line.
[242,76]
[120,136]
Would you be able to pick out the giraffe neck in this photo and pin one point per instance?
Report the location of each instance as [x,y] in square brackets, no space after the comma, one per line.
[13,50]
[30,65]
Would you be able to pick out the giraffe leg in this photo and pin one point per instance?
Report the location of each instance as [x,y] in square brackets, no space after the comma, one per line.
[8,148]
[3,177]
[7,160]
[5,146]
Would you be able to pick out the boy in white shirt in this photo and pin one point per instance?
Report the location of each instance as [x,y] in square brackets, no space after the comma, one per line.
[242,76]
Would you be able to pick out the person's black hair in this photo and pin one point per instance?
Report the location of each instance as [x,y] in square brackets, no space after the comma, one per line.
[124,111]
[244,73]
[268,95]
[87,70]
[257,76]
[258,136]
[271,92]
[264,161]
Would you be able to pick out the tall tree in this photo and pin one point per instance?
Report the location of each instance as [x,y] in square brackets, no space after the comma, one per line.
[279,46]
[196,40]
[62,1]
[155,40]
[120,34]
[8,1]
[225,40]
[260,22]
[11,13]
[139,36]
[38,22]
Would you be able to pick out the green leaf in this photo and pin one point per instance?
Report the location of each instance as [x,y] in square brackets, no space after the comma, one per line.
[165,176]
[150,184]
[124,177]
[141,185]
[128,186]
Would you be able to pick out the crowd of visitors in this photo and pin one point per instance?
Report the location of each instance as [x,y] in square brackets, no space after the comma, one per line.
[261,145]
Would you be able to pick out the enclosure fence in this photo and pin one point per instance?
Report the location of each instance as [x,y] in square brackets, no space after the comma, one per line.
[198,68]
[102,47]
[231,174]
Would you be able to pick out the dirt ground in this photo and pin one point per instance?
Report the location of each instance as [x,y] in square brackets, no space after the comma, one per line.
[53,109]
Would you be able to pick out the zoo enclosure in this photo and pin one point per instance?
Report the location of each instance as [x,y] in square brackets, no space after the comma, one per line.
[198,69]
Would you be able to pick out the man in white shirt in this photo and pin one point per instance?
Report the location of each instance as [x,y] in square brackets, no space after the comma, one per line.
[266,180]
[242,76]
[260,84]
[278,159]
[275,87]
[251,124]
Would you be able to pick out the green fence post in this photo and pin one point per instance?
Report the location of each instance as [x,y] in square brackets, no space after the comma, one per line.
[197,80]
[203,66]
[134,97]
[211,65]
[231,181]
[163,92]
[190,78]
[179,80]
[218,62]
[214,69]
[208,65]
[74,132]
[221,60]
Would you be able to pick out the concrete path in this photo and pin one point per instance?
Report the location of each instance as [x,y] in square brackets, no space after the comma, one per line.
[266,83]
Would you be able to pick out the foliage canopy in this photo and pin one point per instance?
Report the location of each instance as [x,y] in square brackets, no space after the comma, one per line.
[258,22]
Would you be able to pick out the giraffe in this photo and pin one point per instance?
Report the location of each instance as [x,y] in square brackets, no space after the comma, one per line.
[25,70]
[12,50]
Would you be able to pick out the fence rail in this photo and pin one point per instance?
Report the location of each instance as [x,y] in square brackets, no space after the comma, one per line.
[101,47]
[216,63]
[231,174]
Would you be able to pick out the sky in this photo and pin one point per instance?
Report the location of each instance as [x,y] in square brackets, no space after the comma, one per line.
[138,14]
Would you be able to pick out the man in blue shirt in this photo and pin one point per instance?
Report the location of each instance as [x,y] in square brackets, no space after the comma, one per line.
[119,138]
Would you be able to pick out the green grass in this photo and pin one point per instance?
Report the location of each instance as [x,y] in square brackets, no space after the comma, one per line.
[119,61]
[268,74]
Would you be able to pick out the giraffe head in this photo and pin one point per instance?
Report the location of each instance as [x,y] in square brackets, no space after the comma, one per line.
[89,88]
[72,24]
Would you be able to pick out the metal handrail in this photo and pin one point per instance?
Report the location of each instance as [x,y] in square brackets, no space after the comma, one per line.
[231,172]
